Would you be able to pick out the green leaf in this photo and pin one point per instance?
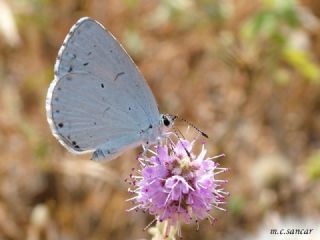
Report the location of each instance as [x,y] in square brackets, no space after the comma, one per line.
[301,61]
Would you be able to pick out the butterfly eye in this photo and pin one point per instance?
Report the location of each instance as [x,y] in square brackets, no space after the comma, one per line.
[166,121]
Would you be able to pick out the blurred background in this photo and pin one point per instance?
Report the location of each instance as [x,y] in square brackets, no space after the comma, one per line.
[245,72]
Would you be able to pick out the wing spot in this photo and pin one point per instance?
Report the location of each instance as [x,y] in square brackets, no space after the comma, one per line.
[69,78]
[59,88]
[106,110]
[77,147]
[89,53]
[57,111]
[118,75]
[111,51]
[85,64]
[102,85]
[69,137]
[70,69]
[150,126]
[60,125]
[74,143]
[95,123]
[56,99]
[74,56]
[129,108]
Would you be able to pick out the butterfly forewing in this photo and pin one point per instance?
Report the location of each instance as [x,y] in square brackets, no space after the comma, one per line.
[98,94]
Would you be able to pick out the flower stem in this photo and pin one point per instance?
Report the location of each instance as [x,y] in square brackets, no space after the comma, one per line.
[163,231]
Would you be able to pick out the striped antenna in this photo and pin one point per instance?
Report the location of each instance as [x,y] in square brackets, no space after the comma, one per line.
[201,132]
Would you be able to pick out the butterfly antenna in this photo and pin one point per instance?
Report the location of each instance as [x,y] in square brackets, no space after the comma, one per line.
[190,124]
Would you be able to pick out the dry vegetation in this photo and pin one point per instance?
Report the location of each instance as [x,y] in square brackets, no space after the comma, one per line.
[247,74]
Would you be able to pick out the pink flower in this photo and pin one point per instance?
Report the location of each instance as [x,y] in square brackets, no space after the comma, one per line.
[175,184]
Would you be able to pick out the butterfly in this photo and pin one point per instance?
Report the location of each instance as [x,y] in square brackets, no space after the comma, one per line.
[99,101]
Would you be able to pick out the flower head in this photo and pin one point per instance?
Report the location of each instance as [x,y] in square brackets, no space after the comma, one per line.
[175,184]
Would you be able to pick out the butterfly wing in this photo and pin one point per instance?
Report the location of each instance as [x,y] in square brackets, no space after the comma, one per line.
[98,96]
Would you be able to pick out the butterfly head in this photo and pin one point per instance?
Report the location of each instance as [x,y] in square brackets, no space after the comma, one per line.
[167,120]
